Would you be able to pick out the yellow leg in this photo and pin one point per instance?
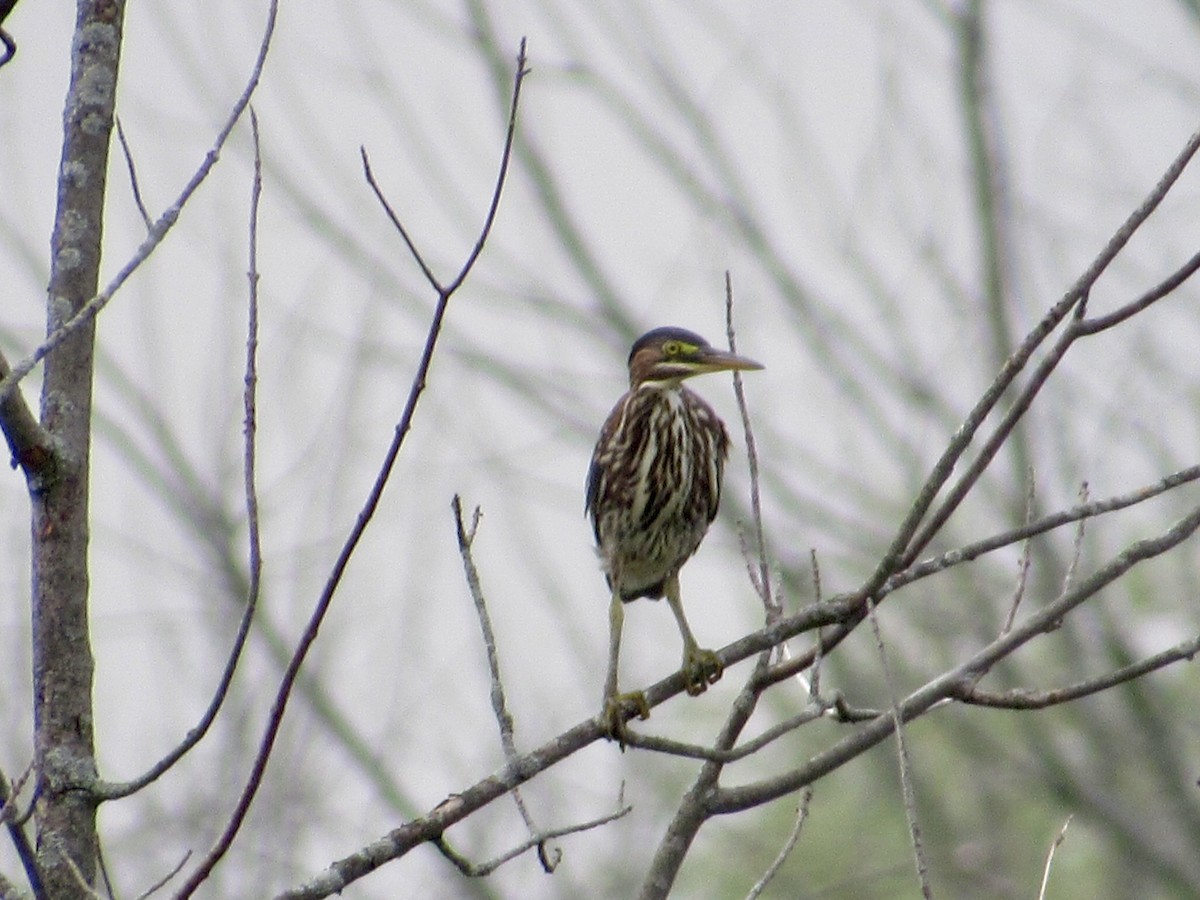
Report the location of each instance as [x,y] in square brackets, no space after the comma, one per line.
[700,667]
[619,707]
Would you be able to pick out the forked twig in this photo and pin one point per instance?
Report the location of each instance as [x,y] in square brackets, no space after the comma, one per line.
[162,225]
[549,857]
[539,840]
[489,219]
[907,543]
[1027,698]
[309,636]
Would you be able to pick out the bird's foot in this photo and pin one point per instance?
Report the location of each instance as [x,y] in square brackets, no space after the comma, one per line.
[618,709]
[700,669]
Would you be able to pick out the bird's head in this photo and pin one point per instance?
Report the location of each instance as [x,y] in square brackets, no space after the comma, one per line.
[673,354]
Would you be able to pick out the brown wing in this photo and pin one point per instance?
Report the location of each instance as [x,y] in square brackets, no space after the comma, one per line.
[597,487]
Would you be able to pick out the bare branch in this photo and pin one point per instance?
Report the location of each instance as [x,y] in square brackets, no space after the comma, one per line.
[912,536]
[279,706]
[454,808]
[539,840]
[773,609]
[1023,698]
[814,688]
[369,174]
[950,683]
[111,791]
[741,751]
[89,310]
[133,179]
[1163,289]
[28,443]
[504,719]
[489,219]
[1048,523]
[840,611]
[1078,327]
[907,545]
[1077,544]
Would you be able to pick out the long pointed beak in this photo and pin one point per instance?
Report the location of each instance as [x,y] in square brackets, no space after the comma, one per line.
[715,360]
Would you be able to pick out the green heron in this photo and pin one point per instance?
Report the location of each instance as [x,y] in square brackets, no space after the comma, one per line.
[652,491]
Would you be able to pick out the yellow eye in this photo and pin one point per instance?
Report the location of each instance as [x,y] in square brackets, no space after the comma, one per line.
[672,348]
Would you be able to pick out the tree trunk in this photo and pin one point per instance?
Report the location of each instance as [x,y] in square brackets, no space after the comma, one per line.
[62,656]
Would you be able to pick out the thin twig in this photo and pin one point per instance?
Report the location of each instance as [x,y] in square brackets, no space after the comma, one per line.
[773,609]
[750,558]
[161,883]
[480,870]
[309,636]
[1077,544]
[814,688]
[1054,845]
[133,179]
[905,760]
[549,857]
[112,791]
[369,174]
[760,579]
[785,851]
[1024,561]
